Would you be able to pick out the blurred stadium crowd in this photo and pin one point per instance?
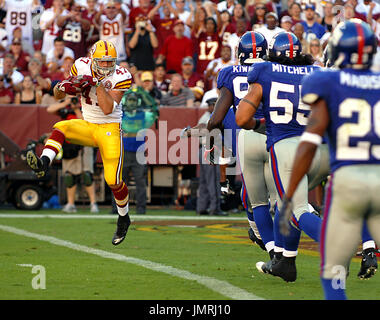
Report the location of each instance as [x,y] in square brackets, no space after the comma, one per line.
[40,40]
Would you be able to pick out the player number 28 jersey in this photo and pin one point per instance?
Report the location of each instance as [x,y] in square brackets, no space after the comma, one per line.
[121,79]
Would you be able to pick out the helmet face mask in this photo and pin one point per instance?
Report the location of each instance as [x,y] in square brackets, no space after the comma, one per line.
[103,51]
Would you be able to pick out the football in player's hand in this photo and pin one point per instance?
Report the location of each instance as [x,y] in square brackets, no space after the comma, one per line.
[86,81]
[74,85]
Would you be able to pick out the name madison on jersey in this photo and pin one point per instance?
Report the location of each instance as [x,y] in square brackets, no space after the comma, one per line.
[121,79]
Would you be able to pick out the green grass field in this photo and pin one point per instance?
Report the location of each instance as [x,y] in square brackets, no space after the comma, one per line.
[162,258]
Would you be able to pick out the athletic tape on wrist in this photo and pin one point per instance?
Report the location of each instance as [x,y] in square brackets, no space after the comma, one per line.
[311,138]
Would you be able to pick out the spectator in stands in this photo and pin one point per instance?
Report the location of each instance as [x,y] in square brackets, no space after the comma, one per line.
[26,46]
[286,8]
[286,23]
[298,30]
[183,14]
[89,14]
[312,28]
[142,43]
[216,65]
[295,11]
[40,79]
[178,95]
[315,49]
[192,80]
[42,58]
[199,21]
[366,5]
[233,40]
[328,17]
[48,24]
[111,25]
[29,93]
[175,48]
[271,28]
[160,79]
[12,77]
[258,18]
[238,13]
[164,25]
[141,11]
[73,30]
[225,27]
[19,17]
[207,45]
[3,40]
[354,5]
[21,57]
[6,94]
[56,55]
[374,22]
[64,71]
[148,85]
[227,5]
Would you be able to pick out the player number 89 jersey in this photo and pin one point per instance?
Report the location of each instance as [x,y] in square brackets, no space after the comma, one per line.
[121,79]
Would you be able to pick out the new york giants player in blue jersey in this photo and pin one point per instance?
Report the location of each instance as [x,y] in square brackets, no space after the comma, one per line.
[233,85]
[345,105]
[277,84]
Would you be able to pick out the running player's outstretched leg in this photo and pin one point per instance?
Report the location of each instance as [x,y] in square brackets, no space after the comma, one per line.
[40,165]
[121,195]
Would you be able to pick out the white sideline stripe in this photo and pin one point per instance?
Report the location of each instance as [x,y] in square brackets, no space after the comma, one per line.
[114,216]
[221,287]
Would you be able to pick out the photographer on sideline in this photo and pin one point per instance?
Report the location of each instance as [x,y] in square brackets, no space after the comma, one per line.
[76,161]
[140,111]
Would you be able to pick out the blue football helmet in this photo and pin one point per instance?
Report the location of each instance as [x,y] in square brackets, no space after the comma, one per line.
[352,44]
[285,44]
[252,46]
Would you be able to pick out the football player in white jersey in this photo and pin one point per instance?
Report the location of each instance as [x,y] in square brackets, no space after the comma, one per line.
[100,83]
[111,27]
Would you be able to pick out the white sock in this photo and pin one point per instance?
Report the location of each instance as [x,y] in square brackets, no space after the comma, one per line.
[49,153]
[254,228]
[123,211]
[278,249]
[289,254]
[369,244]
[269,246]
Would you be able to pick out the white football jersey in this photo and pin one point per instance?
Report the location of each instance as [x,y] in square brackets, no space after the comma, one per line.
[113,31]
[121,79]
[49,33]
[19,14]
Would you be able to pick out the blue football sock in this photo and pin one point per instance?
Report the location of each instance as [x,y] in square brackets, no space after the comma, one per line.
[264,223]
[311,225]
[278,237]
[365,233]
[249,215]
[291,241]
[332,293]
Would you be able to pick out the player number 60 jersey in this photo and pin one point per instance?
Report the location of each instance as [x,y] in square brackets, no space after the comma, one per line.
[121,79]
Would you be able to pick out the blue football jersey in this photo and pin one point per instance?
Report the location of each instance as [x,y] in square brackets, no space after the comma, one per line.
[285,115]
[353,101]
[234,78]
